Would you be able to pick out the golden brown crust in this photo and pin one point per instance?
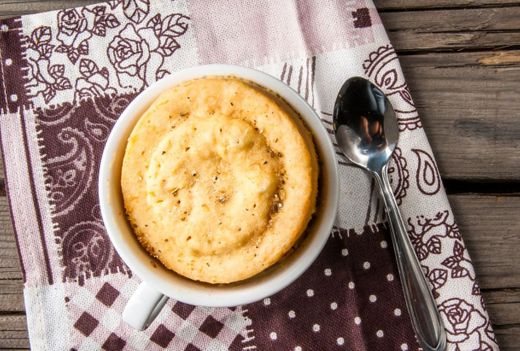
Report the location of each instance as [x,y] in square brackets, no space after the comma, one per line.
[219,179]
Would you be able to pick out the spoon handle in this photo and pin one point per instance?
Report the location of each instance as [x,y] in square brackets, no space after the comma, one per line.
[421,306]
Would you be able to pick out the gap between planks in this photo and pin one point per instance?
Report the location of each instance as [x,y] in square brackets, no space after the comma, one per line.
[427,5]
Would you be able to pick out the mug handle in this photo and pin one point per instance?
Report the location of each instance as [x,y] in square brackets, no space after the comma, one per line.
[144,305]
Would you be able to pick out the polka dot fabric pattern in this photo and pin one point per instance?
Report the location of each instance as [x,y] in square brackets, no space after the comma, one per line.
[340,303]
[67,76]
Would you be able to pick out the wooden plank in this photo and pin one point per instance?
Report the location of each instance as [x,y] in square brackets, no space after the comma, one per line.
[470,110]
[11,284]
[491,234]
[13,327]
[11,296]
[459,29]
[504,310]
[414,41]
[13,332]
[383,5]
[9,262]
[503,58]
[453,20]
[503,306]
[508,337]
[12,8]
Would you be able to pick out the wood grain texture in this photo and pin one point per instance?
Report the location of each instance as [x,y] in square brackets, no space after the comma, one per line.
[503,306]
[460,29]
[11,8]
[470,111]
[508,337]
[11,284]
[385,5]
[13,332]
[491,234]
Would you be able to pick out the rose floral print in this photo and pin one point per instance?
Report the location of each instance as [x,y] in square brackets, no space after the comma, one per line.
[47,78]
[139,53]
[464,321]
[90,54]
[76,29]
[134,10]
[426,233]
[93,82]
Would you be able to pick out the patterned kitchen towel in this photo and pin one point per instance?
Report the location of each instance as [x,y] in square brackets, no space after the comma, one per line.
[66,77]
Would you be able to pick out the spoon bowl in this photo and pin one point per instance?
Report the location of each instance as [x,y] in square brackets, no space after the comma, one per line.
[365,124]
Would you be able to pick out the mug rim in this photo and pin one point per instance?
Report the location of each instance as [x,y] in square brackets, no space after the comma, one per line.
[215,296]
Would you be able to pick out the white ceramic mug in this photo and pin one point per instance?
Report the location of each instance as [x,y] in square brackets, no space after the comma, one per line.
[160,283]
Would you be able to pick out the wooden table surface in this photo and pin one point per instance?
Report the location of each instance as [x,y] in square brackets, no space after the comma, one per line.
[462,62]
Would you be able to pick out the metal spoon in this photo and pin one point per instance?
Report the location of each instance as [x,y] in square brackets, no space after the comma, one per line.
[366,131]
